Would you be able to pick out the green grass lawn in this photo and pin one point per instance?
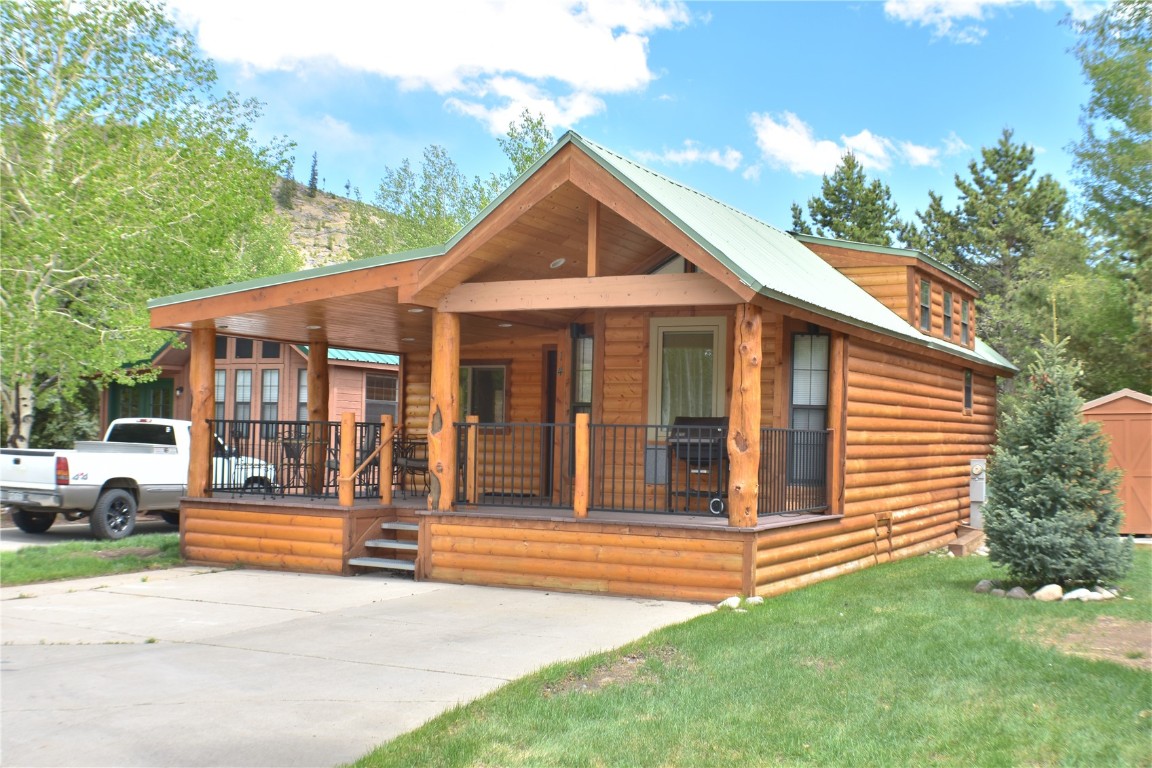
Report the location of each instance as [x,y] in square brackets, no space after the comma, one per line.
[82,559]
[901,664]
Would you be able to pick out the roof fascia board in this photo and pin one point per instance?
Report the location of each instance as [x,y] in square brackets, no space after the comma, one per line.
[304,275]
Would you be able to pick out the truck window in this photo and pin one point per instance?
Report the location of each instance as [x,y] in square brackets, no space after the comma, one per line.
[156,434]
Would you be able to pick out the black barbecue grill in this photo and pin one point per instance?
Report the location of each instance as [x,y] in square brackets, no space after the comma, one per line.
[698,461]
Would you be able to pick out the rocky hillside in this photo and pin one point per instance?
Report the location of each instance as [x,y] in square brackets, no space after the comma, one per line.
[319,224]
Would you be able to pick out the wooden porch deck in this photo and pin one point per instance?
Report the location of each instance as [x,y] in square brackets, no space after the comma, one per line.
[672,556]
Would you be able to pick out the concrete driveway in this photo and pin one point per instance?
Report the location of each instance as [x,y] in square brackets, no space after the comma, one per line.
[196,667]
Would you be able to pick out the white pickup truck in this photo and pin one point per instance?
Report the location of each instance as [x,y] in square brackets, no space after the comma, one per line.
[141,465]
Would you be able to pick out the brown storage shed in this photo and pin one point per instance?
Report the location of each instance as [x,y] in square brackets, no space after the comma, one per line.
[1126,417]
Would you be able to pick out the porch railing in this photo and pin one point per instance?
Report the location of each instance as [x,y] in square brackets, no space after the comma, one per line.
[636,468]
[515,464]
[289,458]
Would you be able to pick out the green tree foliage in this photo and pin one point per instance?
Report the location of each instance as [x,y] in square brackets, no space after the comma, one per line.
[314,176]
[286,187]
[420,207]
[1052,514]
[121,178]
[1113,162]
[851,208]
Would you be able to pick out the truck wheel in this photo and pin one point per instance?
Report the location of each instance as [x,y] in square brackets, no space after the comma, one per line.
[172,518]
[33,522]
[114,516]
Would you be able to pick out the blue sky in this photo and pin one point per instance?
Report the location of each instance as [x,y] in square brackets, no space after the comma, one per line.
[750,102]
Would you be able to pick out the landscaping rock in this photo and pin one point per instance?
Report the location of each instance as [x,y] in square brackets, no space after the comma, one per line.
[1077,594]
[984,587]
[1105,593]
[754,601]
[997,593]
[731,602]
[1018,593]
[1049,593]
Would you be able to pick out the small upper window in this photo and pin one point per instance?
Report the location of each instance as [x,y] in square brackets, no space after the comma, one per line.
[965,308]
[269,350]
[967,390]
[948,314]
[925,306]
[221,347]
[243,349]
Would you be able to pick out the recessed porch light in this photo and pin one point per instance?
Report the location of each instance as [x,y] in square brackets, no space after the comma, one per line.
[408,338]
[313,327]
[557,264]
[504,325]
[416,310]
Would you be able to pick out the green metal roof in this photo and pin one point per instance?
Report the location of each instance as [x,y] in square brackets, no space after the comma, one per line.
[772,262]
[768,260]
[356,356]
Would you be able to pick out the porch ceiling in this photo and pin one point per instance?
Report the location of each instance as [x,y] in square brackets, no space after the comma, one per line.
[362,309]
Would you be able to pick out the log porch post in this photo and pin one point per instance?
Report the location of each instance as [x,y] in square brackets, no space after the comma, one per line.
[387,433]
[317,411]
[837,421]
[346,484]
[202,382]
[580,487]
[744,419]
[442,408]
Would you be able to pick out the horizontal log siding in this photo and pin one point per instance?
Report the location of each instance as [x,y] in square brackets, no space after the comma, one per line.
[888,284]
[626,560]
[771,348]
[624,398]
[909,443]
[269,535]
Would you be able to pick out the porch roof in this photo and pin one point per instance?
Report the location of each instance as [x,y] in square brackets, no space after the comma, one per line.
[767,260]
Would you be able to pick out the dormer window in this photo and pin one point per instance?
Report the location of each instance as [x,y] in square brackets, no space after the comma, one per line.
[948,315]
[965,308]
[925,306]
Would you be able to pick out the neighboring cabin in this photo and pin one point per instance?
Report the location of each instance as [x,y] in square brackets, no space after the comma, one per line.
[626,386]
[257,379]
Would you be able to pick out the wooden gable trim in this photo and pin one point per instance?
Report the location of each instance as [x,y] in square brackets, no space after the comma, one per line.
[672,290]
[286,294]
[437,276]
[589,176]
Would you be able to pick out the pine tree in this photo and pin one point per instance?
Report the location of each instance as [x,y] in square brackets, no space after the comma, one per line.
[313,178]
[851,208]
[1052,514]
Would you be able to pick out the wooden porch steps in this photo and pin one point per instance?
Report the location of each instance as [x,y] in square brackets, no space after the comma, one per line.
[383,562]
[396,545]
[968,540]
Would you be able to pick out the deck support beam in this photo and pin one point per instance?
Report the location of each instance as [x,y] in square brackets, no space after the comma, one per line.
[317,454]
[744,419]
[442,409]
[202,382]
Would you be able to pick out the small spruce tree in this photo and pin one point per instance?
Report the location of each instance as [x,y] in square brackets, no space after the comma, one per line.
[314,177]
[1052,514]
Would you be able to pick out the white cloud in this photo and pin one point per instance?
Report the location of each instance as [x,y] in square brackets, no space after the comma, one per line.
[954,145]
[871,150]
[564,53]
[918,155]
[728,158]
[790,144]
[786,141]
[960,20]
[751,173]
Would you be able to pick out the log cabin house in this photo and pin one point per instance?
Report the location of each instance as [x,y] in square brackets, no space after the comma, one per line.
[615,384]
[253,376]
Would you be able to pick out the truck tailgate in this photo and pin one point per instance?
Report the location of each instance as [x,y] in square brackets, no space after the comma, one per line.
[27,467]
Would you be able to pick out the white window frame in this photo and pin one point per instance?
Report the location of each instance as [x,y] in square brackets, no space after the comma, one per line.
[718,327]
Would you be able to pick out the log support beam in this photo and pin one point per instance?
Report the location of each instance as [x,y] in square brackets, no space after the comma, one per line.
[744,419]
[580,490]
[442,411]
[317,455]
[202,382]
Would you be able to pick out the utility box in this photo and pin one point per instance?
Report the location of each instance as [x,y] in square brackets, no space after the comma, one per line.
[977,491]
